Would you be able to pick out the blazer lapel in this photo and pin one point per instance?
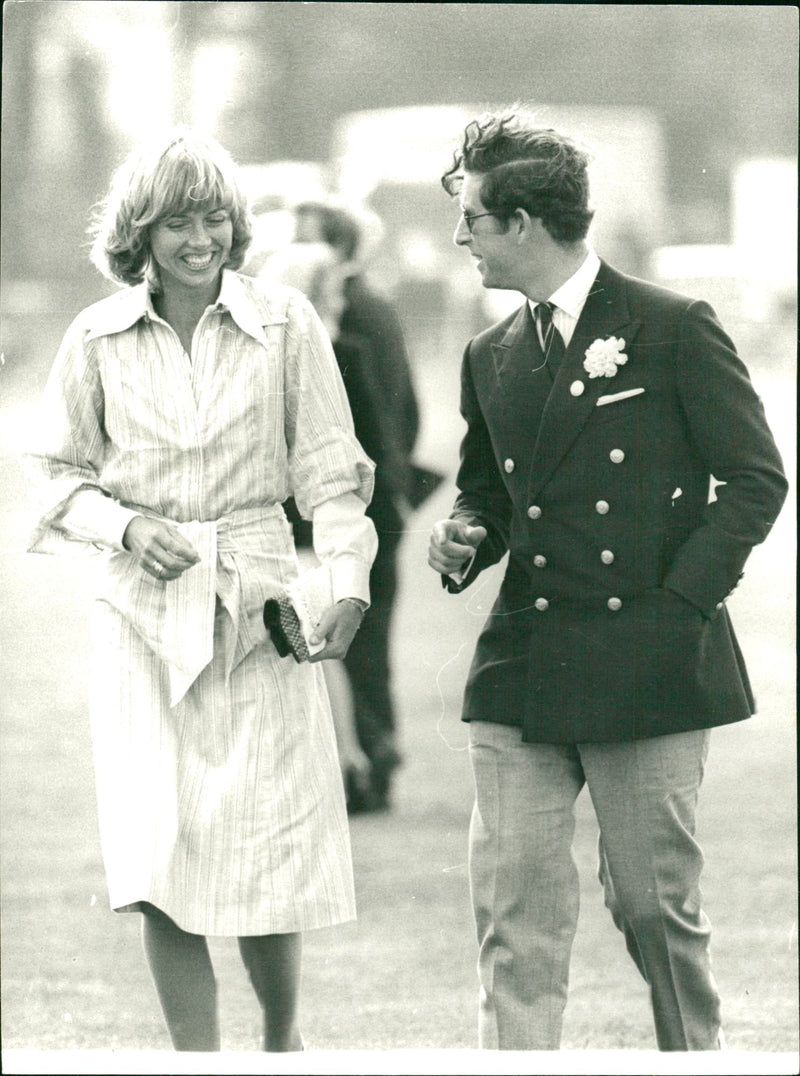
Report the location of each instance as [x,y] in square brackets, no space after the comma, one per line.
[519,351]
[604,314]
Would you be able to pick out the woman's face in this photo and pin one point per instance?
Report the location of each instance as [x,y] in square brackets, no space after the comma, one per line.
[191,247]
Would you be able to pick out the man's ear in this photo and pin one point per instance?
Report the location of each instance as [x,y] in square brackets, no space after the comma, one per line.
[524,224]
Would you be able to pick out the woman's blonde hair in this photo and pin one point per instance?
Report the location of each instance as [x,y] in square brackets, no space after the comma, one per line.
[160,179]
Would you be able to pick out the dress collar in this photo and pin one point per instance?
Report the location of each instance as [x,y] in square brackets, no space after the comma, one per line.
[238,295]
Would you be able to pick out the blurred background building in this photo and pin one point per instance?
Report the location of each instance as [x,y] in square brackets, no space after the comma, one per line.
[690,110]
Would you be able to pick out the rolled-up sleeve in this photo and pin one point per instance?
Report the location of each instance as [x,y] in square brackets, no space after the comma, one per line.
[345,538]
[63,453]
[91,516]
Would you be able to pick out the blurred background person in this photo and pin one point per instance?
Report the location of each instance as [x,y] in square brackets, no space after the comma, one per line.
[371,352]
[314,269]
[179,414]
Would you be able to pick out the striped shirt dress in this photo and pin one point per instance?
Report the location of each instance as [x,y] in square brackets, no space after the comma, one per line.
[219,793]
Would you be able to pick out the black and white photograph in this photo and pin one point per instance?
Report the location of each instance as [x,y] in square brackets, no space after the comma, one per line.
[398,413]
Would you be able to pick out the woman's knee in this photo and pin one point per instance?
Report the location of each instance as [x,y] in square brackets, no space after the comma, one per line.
[155,919]
[272,954]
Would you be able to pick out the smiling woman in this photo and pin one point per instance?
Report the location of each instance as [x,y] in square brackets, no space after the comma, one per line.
[179,415]
[191,249]
[168,178]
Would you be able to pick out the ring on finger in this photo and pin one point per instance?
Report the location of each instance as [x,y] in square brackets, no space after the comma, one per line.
[158,568]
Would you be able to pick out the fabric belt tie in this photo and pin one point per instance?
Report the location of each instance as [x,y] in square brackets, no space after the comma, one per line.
[178,621]
[187,643]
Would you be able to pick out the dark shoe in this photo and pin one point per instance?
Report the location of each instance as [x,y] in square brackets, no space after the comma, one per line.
[358,793]
[383,766]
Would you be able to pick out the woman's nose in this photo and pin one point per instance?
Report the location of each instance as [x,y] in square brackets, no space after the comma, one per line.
[199,234]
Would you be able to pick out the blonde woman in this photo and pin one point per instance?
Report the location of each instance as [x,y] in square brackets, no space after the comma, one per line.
[179,415]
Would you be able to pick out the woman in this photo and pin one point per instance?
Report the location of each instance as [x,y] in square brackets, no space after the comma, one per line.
[179,415]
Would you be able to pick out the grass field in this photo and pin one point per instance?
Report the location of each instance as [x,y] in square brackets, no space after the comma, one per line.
[403,976]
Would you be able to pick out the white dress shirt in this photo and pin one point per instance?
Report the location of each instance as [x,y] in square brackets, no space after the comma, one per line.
[570,298]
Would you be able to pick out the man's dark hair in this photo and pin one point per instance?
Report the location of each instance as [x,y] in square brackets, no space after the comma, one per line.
[339,228]
[528,167]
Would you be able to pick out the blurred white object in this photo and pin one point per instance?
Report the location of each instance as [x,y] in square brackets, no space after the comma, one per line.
[765,231]
[712,272]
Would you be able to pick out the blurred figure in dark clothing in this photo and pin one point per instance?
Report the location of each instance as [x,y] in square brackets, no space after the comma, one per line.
[372,357]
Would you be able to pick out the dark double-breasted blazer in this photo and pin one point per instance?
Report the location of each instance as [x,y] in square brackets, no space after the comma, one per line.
[611,621]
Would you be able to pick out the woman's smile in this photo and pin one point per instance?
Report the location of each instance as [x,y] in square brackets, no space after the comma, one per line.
[191,247]
[199,261]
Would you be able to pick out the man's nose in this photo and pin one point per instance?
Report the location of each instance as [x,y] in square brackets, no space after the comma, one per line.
[461,235]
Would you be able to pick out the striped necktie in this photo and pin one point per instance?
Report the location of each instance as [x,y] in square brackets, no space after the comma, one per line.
[552,340]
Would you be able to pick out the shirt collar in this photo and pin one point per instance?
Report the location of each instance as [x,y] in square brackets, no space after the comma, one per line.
[118,312]
[249,305]
[238,295]
[572,294]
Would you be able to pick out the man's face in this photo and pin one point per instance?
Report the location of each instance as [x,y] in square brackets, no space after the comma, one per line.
[496,250]
[308,228]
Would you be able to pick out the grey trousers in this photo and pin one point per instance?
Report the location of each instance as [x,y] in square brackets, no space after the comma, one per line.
[524,881]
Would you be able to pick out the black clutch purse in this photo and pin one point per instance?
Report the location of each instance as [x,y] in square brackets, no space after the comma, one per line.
[283,625]
[292,613]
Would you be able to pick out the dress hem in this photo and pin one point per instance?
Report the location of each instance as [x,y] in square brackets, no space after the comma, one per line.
[258,931]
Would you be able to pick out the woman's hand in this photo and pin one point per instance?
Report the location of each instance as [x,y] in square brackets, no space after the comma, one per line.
[159,548]
[337,627]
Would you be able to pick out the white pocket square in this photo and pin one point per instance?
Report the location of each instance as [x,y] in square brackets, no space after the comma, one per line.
[614,396]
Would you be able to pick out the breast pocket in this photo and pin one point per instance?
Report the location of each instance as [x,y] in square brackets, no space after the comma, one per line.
[622,408]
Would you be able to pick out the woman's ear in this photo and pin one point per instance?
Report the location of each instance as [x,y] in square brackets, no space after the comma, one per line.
[152,275]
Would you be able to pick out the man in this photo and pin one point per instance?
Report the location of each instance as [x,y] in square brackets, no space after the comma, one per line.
[596,415]
[369,346]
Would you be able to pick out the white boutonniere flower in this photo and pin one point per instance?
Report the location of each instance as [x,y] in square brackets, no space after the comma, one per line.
[604,356]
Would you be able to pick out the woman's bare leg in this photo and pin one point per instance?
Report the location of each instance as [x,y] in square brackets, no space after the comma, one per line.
[273,964]
[184,978]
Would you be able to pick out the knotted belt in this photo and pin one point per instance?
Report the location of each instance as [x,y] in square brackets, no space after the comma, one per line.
[176,618]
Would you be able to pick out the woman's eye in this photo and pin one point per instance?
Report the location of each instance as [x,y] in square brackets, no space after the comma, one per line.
[217,218]
[175,225]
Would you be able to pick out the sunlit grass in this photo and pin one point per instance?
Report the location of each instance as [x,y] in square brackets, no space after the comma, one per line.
[403,976]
